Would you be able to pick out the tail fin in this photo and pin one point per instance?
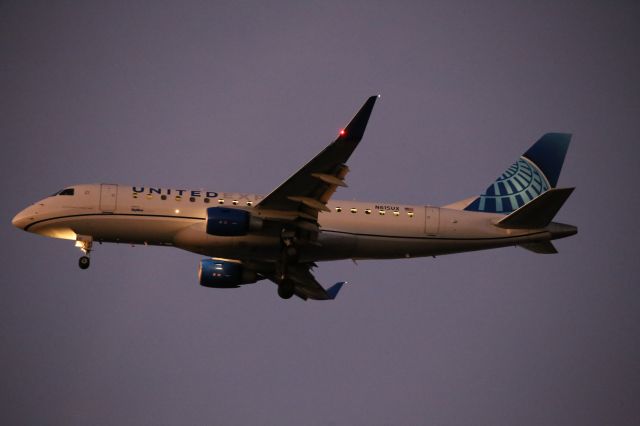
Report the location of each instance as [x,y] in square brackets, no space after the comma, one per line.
[534,173]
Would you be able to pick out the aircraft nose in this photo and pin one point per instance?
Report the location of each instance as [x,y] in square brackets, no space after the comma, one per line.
[20,220]
[28,216]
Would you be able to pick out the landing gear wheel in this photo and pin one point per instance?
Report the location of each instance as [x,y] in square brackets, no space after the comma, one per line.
[84,262]
[84,242]
[285,291]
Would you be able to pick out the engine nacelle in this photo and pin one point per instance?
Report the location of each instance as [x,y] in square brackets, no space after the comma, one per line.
[225,222]
[218,273]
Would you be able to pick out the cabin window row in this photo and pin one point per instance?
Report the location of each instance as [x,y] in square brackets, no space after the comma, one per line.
[380,212]
[191,199]
[221,201]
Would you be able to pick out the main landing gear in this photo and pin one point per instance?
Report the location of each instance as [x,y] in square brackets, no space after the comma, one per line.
[84,242]
[286,289]
[289,255]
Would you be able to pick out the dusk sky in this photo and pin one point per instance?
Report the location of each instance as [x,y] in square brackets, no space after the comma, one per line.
[236,96]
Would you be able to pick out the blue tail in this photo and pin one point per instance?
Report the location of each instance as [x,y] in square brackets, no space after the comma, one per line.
[532,174]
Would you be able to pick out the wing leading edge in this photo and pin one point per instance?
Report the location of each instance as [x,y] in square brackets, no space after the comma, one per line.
[309,189]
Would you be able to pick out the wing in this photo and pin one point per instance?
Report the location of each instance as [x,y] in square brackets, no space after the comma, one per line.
[306,192]
[295,205]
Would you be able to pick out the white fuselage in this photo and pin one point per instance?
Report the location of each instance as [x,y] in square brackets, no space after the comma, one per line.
[350,230]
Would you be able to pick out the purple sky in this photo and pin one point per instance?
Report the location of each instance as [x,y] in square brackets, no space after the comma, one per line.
[236,96]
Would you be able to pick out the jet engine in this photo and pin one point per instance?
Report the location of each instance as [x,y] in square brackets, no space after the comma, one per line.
[219,273]
[225,222]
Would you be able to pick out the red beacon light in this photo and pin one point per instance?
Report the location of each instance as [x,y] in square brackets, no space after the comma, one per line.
[342,132]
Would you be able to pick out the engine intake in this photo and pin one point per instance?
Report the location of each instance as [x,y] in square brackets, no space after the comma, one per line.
[225,222]
[218,273]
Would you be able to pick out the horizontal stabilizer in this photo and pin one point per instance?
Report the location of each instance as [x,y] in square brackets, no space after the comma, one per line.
[539,212]
[544,247]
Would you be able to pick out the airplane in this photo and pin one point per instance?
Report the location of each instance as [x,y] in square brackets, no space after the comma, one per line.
[281,236]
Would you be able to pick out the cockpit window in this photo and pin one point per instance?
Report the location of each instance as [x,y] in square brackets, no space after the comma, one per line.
[68,191]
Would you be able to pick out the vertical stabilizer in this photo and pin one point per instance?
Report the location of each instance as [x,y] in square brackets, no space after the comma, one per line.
[534,173]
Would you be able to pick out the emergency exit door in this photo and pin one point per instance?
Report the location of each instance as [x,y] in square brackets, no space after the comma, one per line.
[108,197]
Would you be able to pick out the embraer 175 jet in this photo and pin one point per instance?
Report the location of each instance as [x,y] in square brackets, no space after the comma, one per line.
[281,236]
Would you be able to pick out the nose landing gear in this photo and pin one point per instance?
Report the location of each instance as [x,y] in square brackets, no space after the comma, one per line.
[84,262]
[84,242]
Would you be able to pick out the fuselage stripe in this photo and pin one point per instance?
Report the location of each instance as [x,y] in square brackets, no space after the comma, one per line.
[26,228]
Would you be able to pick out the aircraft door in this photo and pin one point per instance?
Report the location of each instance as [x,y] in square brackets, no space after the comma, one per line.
[431,220]
[108,197]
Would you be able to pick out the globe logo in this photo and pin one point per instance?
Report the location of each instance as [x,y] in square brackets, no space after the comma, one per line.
[519,184]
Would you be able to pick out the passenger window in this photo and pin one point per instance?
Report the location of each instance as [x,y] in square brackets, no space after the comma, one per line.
[234,202]
[354,210]
[249,203]
[206,200]
[367,211]
[192,199]
[338,209]
[410,214]
[149,196]
[396,213]
[135,195]
[220,201]
[163,197]
[381,212]
[178,198]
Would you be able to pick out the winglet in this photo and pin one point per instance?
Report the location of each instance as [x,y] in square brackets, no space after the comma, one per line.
[355,129]
[332,291]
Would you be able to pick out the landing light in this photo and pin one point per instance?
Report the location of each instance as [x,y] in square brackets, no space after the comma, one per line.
[177,211]
[63,233]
